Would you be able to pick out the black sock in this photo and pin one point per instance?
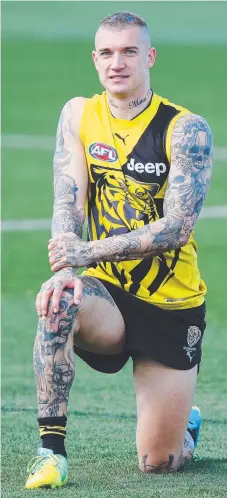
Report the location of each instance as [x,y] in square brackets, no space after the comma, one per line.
[52,433]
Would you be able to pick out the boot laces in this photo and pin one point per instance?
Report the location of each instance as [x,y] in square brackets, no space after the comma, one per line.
[37,462]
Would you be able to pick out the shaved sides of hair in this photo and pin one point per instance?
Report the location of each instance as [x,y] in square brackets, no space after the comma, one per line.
[124,20]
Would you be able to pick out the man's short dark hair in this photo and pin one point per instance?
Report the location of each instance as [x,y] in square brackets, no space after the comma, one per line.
[120,20]
[124,20]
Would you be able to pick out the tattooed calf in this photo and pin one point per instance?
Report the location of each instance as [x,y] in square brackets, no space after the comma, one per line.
[54,358]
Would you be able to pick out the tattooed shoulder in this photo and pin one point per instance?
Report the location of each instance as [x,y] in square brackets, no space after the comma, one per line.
[189,176]
[191,161]
[191,143]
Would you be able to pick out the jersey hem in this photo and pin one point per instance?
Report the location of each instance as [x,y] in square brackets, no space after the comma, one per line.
[185,303]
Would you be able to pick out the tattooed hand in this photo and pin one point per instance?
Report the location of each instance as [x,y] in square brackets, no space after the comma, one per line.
[66,278]
[67,249]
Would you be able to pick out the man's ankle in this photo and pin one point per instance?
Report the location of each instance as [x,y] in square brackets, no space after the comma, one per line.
[53,433]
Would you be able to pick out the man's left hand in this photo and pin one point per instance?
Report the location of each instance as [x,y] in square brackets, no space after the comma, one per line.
[66,249]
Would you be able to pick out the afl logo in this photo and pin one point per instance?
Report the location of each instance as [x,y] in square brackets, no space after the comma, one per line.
[103,152]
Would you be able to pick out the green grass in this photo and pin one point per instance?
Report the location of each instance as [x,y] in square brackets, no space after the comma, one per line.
[38,77]
[109,468]
[27,182]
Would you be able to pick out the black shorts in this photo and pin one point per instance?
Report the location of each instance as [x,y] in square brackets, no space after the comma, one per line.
[170,337]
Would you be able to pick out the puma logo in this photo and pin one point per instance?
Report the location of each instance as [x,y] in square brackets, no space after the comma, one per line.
[190,355]
[121,138]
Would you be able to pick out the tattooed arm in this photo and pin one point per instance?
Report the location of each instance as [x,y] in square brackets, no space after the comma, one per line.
[70,172]
[70,190]
[188,183]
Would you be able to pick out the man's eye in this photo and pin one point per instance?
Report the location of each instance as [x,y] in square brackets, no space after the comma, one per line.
[105,53]
[130,51]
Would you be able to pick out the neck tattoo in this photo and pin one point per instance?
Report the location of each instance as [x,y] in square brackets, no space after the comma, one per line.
[111,102]
[134,103]
[139,101]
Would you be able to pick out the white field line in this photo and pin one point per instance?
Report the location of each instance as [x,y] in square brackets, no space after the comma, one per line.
[212,212]
[47,143]
[27,142]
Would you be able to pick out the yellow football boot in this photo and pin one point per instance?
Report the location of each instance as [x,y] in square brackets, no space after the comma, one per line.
[47,470]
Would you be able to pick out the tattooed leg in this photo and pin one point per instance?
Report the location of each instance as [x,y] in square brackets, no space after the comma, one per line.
[96,325]
[54,357]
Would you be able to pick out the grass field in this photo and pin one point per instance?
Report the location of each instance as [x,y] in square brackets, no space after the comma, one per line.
[38,75]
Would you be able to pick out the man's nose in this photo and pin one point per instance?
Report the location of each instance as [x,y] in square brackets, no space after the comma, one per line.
[117,62]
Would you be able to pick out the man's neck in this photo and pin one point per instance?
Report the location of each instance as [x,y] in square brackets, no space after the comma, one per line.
[130,106]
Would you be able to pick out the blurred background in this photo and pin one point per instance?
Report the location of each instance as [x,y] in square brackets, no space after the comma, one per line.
[46,60]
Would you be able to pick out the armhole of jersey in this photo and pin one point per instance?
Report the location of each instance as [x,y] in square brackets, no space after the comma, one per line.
[84,120]
[169,132]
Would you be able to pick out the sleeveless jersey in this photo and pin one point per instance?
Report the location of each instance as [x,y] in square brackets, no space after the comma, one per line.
[128,164]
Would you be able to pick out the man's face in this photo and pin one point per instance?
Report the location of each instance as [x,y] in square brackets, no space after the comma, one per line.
[122,59]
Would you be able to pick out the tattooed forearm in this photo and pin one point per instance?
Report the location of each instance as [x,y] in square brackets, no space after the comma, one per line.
[137,244]
[67,217]
[67,250]
[54,358]
[151,240]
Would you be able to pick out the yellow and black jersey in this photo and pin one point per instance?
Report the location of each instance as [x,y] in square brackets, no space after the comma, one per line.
[128,163]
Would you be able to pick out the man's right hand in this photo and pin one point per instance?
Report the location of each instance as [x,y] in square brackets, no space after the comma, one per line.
[65,278]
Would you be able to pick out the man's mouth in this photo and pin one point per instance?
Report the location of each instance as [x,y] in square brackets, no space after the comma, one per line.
[118,77]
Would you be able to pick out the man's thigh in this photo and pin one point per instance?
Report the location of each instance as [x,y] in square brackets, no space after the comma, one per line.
[100,327]
[164,398]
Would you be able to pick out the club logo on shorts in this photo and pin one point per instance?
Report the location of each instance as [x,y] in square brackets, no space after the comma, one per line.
[194,335]
[103,152]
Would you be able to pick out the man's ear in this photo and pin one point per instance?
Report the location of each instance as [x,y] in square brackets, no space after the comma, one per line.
[151,57]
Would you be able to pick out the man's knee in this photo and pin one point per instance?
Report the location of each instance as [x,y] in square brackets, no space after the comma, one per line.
[64,319]
[164,461]
[66,304]
[157,462]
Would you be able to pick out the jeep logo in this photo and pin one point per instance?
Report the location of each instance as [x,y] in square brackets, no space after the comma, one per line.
[158,168]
